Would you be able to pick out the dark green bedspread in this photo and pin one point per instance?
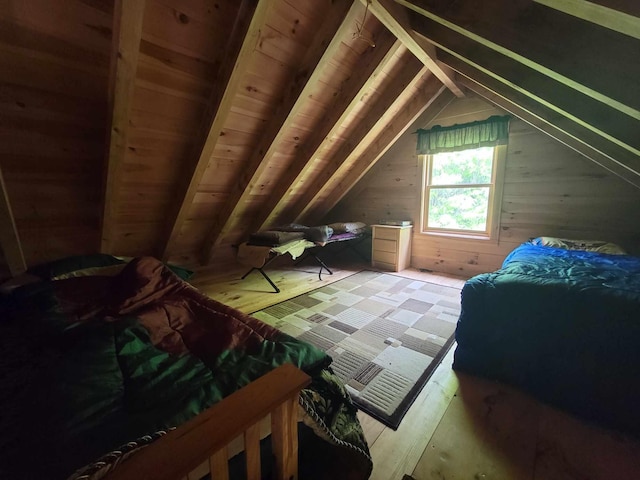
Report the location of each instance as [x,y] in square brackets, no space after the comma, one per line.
[89,364]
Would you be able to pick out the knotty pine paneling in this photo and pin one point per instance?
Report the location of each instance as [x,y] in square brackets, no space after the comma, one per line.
[272,70]
[181,50]
[53,94]
[549,190]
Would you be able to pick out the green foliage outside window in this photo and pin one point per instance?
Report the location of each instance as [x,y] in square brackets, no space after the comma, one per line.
[460,190]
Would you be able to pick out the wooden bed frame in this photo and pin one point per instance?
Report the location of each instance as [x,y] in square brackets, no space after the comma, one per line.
[205,437]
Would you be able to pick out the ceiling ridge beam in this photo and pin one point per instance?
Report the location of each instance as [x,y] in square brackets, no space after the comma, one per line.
[430,95]
[379,115]
[338,24]
[239,49]
[351,95]
[9,238]
[128,16]
[602,119]
[567,132]
[395,19]
[591,70]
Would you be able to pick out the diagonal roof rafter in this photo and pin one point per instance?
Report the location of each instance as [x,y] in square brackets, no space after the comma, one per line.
[430,95]
[395,18]
[595,61]
[337,25]
[564,130]
[611,124]
[128,16]
[364,133]
[369,69]
[239,49]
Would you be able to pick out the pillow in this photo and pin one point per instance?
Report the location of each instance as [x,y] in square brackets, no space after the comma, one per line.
[598,246]
[319,234]
[348,227]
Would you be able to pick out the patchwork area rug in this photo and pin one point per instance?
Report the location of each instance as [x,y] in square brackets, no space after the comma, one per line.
[385,333]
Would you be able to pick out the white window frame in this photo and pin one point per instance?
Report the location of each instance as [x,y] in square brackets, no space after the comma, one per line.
[492,231]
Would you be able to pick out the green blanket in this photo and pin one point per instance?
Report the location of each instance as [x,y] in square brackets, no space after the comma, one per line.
[91,364]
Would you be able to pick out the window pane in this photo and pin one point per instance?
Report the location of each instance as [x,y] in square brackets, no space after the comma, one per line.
[459,208]
[460,168]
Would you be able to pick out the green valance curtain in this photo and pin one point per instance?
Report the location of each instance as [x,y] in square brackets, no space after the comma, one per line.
[484,133]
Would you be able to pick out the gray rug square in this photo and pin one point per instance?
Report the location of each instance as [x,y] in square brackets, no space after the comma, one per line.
[430,323]
[417,306]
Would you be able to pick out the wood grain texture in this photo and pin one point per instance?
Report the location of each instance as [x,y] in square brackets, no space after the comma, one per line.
[355,91]
[549,190]
[240,46]
[184,448]
[589,60]
[599,150]
[593,114]
[396,92]
[337,23]
[405,113]
[127,32]
[281,143]
[395,18]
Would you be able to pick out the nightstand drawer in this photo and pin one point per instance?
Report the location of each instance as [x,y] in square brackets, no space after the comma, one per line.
[385,257]
[386,234]
[384,266]
[385,245]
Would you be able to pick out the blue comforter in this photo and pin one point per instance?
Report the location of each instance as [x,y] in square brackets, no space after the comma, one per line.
[562,324]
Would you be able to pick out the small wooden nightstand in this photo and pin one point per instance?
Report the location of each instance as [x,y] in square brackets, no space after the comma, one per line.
[391,247]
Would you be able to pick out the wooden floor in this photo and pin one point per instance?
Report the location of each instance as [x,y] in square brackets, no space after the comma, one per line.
[460,427]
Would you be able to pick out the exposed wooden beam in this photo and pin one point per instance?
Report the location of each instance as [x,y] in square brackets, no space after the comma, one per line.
[127,31]
[595,61]
[428,95]
[600,14]
[610,123]
[366,74]
[242,42]
[437,105]
[9,238]
[395,18]
[364,133]
[338,24]
[546,120]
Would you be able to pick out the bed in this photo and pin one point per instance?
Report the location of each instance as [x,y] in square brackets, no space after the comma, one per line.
[299,242]
[562,323]
[95,366]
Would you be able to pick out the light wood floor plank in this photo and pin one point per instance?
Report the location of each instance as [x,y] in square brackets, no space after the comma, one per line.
[396,453]
[569,449]
[488,432]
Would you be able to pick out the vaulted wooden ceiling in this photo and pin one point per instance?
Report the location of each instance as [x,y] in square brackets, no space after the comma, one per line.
[227,116]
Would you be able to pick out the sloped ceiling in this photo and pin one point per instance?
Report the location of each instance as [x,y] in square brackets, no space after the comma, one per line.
[227,116]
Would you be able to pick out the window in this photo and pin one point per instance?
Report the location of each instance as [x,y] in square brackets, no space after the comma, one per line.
[461,194]
[463,174]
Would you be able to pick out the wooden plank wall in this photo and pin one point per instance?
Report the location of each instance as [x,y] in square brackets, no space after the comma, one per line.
[288,34]
[549,190]
[179,59]
[52,119]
